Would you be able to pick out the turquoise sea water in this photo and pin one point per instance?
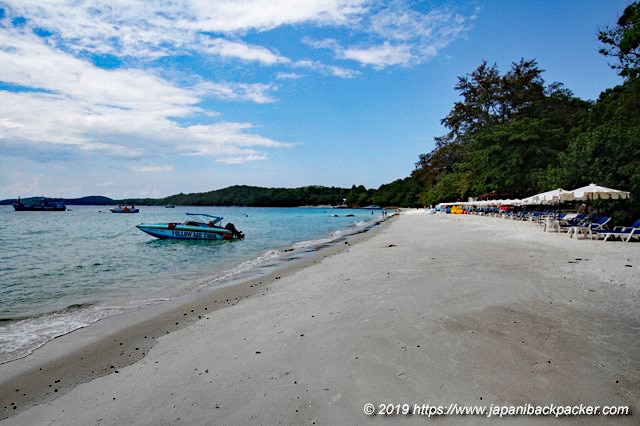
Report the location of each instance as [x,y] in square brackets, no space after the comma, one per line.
[60,271]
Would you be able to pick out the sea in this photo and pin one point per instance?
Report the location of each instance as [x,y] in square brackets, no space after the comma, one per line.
[61,271]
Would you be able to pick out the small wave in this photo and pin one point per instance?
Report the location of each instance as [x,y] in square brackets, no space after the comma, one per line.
[244,267]
[66,309]
[19,337]
[275,258]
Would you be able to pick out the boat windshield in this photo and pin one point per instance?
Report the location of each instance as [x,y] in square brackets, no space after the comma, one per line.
[203,218]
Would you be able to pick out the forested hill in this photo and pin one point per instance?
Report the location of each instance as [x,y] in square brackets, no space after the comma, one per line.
[252,196]
[92,200]
[402,192]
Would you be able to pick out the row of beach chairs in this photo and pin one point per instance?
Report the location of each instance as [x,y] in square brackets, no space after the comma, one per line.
[595,227]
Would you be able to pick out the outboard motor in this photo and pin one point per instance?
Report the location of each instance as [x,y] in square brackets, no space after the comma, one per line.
[239,235]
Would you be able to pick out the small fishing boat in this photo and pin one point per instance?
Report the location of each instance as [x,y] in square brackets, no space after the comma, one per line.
[198,226]
[42,205]
[170,206]
[124,209]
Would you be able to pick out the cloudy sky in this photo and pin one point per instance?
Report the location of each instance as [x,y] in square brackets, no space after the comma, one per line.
[150,98]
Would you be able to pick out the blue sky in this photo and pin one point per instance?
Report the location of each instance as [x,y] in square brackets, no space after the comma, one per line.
[152,98]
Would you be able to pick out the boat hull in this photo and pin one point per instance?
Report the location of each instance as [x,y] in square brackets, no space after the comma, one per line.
[181,232]
[114,210]
[19,207]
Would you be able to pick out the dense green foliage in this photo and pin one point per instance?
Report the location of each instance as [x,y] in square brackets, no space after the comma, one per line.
[402,193]
[252,196]
[511,135]
[623,42]
[92,200]
[605,149]
[504,136]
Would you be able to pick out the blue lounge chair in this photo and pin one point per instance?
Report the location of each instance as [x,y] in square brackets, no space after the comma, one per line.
[599,223]
[579,220]
[628,232]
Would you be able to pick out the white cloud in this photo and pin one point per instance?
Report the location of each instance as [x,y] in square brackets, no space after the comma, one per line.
[257,92]
[152,105]
[152,168]
[379,56]
[24,184]
[243,51]
[333,70]
[399,35]
[328,43]
[232,16]
[119,113]
[240,159]
[155,28]
[225,138]
[283,76]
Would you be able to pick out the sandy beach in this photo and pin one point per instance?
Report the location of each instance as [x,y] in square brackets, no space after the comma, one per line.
[428,309]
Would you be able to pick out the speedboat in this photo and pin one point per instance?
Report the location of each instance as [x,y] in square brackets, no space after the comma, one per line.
[42,205]
[198,226]
[124,209]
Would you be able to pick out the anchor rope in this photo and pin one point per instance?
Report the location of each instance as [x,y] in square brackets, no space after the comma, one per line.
[123,232]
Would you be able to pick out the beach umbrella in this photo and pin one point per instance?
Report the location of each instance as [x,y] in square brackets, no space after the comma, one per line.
[554,196]
[595,192]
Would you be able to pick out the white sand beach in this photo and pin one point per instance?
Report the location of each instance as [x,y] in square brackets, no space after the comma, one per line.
[430,309]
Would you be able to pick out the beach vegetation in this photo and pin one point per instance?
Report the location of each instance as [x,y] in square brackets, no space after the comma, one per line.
[513,135]
[623,42]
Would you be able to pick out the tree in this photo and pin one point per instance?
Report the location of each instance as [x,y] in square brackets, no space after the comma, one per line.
[489,98]
[503,134]
[623,42]
[605,149]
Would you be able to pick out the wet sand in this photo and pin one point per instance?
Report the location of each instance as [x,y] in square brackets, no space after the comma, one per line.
[429,309]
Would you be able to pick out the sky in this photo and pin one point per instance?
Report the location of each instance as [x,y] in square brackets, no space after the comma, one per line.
[151,98]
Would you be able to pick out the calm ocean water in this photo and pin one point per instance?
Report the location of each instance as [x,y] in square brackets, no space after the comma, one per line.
[60,271]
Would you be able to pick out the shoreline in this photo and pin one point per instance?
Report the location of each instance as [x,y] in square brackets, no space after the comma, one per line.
[121,269]
[431,309]
[112,343]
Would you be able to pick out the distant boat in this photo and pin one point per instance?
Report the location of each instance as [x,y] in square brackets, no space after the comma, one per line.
[42,205]
[124,209]
[198,226]
[170,206]
[373,207]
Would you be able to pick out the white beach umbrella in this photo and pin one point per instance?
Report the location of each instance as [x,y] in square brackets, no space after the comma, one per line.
[594,192]
[554,196]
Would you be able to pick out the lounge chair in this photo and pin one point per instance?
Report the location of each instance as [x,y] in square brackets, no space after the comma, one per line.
[634,234]
[569,222]
[599,223]
[622,232]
